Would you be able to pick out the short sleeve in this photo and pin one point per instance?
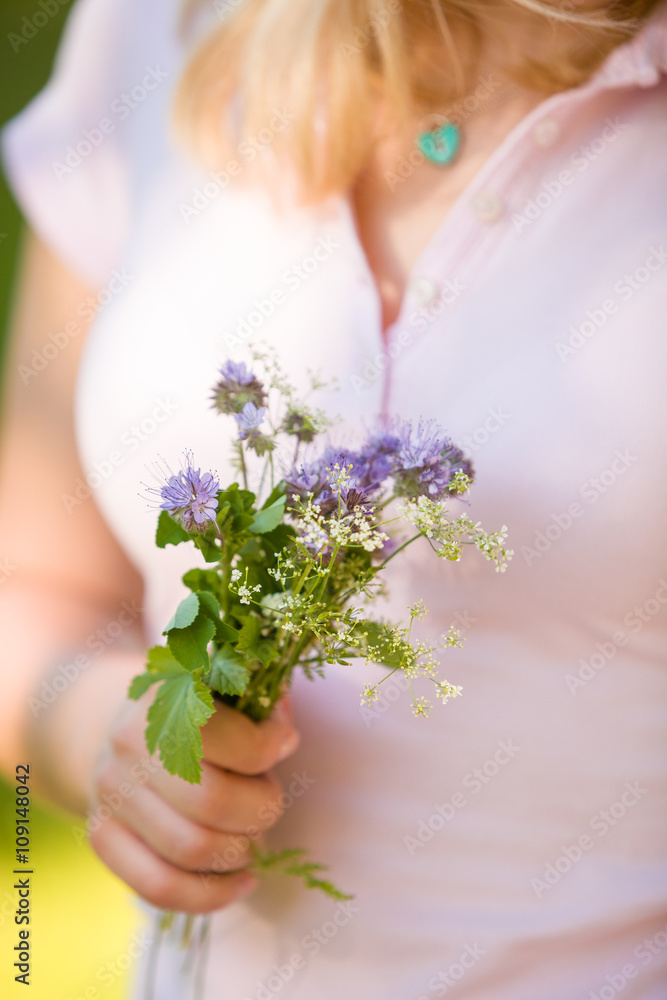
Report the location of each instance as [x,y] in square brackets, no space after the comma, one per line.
[64,155]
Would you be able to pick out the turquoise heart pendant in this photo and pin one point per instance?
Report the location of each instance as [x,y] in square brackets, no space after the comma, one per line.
[440,145]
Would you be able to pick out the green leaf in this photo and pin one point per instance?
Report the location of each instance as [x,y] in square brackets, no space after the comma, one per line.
[226,633]
[186,612]
[240,501]
[276,492]
[209,606]
[158,658]
[268,518]
[210,551]
[251,643]
[201,579]
[378,635]
[292,861]
[224,508]
[189,645]
[141,684]
[228,673]
[247,498]
[182,705]
[169,532]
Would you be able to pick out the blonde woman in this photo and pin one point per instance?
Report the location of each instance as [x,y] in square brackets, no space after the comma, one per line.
[457,208]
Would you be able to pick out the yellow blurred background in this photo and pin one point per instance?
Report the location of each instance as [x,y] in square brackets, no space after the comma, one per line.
[83,919]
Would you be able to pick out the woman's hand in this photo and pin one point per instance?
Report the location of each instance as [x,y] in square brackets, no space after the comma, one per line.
[180,846]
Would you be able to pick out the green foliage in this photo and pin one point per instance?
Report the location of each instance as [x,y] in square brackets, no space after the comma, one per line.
[269,518]
[228,673]
[202,579]
[207,547]
[279,593]
[189,645]
[378,638]
[289,862]
[185,613]
[251,643]
[182,704]
[169,532]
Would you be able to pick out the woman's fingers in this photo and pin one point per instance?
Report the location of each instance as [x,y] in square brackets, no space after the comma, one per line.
[235,742]
[224,800]
[160,882]
[171,840]
[179,840]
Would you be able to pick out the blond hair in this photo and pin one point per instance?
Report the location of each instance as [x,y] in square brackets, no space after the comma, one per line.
[336,66]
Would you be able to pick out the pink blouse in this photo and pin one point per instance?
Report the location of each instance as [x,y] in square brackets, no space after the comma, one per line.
[512,846]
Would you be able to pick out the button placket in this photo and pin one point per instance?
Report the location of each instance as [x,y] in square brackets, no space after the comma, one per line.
[488,206]
[546,132]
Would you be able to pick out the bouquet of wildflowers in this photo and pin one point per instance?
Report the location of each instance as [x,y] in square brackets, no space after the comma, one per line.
[292,569]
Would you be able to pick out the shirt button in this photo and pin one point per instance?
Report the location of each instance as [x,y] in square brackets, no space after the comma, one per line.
[546,132]
[487,206]
[423,290]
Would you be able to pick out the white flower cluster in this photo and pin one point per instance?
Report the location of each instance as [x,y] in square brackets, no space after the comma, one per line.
[357,529]
[428,516]
[415,659]
[432,518]
[244,592]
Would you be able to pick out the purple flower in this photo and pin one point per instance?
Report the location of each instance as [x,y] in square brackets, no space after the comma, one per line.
[190,496]
[375,461]
[305,479]
[236,387]
[237,371]
[426,460]
[249,419]
[355,499]
[313,478]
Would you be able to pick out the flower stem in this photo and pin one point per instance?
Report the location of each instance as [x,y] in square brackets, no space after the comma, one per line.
[244,470]
[396,551]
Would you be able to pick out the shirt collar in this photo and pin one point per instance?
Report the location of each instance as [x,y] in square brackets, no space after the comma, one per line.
[642,59]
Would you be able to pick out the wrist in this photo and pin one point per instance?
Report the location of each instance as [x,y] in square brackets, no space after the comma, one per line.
[65,735]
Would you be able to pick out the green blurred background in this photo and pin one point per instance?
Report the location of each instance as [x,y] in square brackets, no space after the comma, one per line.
[83,919]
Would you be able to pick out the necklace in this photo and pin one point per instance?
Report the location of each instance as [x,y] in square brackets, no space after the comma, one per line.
[440,144]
